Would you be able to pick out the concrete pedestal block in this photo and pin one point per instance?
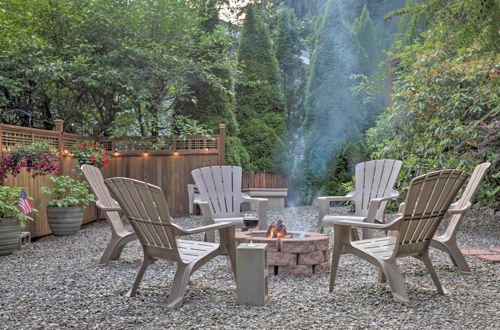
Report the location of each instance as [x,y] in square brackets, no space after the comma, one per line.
[252,275]
[276,196]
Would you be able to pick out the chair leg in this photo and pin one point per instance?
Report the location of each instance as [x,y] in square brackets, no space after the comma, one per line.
[427,261]
[231,249]
[210,236]
[179,286]
[354,234]
[145,263]
[381,277]
[115,248]
[337,250]
[455,254]
[396,281]
[108,252]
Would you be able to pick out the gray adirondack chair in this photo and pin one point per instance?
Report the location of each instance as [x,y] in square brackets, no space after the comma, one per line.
[447,242]
[119,235]
[374,179]
[147,211]
[429,198]
[221,197]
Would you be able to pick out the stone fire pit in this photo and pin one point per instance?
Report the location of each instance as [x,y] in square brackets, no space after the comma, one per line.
[302,254]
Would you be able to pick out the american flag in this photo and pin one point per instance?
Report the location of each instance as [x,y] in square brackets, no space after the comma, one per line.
[24,203]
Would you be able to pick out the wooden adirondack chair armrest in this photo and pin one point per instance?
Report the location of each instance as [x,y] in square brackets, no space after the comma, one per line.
[375,204]
[197,199]
[329,199]
[108,208]
[370,225]
[324,203]
[454,209]
[401,208]
[184,232]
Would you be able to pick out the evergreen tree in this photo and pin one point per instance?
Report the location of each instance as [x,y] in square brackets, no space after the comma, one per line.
[292,72]
[260,104]
[332,113]
[364,31]
[212,102]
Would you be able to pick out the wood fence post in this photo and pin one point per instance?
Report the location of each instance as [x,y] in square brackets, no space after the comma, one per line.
[60,145]
[221,146]
[1,140]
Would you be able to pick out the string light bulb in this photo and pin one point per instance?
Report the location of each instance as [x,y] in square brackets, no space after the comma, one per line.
[176,153]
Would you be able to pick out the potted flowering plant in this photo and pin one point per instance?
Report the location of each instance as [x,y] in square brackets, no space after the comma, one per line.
[37,158]
[91,154]
[65,209]
[11,217]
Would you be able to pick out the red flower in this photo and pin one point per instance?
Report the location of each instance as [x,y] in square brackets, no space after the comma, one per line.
[105,156]
[105,162]
[80,146]
[92,158]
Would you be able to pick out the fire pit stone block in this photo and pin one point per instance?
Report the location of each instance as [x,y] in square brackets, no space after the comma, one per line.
[298,246]
[281,258]
[304,255]
[327,255]
[322,244]
[295,270]
[322,268]
[311,258]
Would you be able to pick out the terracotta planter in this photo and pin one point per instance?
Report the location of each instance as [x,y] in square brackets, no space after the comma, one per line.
[9,235]
[64,220]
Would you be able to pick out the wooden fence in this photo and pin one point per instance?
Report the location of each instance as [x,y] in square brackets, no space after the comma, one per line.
[263,180]
[169,167]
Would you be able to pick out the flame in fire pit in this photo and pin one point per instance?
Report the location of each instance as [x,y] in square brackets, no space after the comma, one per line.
[277,231]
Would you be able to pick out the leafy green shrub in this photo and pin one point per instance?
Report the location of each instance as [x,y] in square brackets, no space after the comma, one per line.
[445,114]
[9,204]
[68,192]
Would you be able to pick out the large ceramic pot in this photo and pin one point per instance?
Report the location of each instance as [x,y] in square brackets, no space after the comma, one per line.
[64,220]
[9,235]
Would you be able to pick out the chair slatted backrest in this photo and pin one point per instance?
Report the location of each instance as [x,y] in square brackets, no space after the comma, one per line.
[468,194]
[429,197]
[220,186]
[96,182]
[147,210]
[375,179]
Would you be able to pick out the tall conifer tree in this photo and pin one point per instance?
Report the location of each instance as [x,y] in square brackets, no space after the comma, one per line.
[292,76]
[212,102]
[332,113]
[364,31]
[260,103]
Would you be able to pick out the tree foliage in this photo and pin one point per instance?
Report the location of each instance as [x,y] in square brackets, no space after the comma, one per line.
[260,102]
[332,113]
[446,106]
[289,47]
[92,62]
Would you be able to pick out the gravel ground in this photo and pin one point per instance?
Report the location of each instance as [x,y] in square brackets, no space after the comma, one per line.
[55,283]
